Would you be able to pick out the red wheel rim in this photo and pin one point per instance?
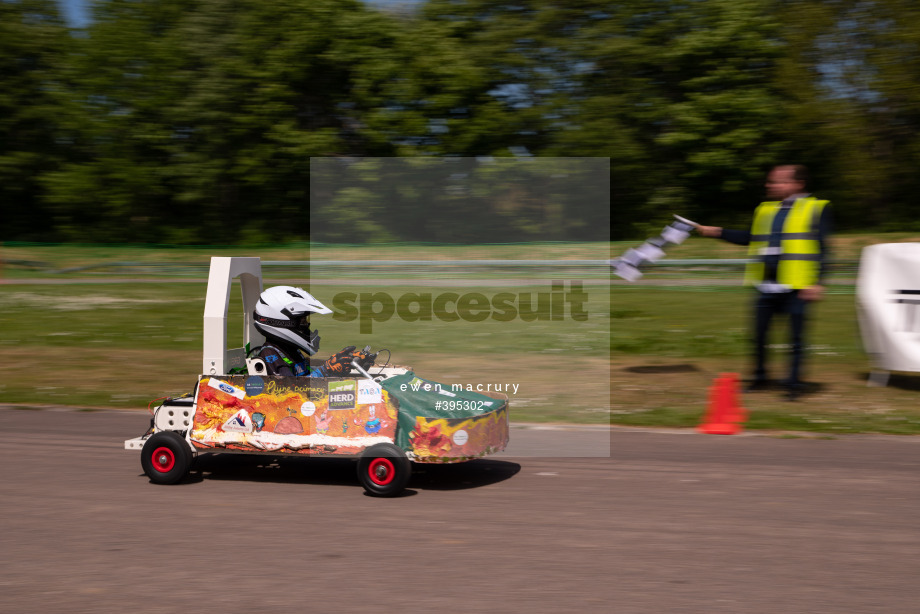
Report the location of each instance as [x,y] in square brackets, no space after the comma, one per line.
[163,459]
[381,471]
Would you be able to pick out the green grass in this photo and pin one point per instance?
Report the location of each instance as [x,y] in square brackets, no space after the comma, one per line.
[668,345]
[124,344]
[645,359]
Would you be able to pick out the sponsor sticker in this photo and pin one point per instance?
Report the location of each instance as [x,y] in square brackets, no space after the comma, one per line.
[369,392]
[227,388]
[254,385]
[241,422]
[308,409]
[342,395]
[461,437]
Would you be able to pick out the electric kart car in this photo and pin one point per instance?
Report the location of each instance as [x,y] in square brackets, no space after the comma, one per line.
[385,416]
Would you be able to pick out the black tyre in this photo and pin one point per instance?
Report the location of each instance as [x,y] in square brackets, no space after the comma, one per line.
[384,470]
[166,458]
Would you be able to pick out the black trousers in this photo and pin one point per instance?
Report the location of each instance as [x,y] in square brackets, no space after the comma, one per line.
[782,303]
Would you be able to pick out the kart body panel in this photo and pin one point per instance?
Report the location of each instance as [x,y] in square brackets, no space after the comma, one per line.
[237,407]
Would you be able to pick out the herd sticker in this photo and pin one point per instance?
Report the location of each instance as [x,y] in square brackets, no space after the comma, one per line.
[342,394]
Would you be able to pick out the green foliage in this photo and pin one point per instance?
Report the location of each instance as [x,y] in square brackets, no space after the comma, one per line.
[205,115]
[33,46]
[178,121]
[451,200]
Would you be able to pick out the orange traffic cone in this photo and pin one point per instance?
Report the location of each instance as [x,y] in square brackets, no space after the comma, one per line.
[724,416]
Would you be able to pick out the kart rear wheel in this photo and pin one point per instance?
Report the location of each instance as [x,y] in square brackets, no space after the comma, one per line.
[384,470]
[166,458]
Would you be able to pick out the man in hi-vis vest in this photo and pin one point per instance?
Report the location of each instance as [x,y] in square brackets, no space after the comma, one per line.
[788,248]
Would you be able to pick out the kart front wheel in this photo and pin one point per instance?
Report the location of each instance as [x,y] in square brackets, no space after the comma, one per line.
[384,470]
[166,458]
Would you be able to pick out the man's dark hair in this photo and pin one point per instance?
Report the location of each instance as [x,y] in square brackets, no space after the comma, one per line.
[800,173]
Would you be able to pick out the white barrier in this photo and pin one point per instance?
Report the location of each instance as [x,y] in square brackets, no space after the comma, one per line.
[888,304]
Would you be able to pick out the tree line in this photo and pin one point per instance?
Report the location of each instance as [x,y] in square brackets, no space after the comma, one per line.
[194,121]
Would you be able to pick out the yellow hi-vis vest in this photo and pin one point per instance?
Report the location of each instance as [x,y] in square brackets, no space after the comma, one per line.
[800,251]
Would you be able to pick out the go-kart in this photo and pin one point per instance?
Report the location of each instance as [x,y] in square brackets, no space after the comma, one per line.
[384,416]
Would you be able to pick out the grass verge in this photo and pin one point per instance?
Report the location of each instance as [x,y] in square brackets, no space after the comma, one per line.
[122,345]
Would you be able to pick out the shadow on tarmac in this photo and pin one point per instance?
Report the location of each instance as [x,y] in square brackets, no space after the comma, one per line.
[343,471]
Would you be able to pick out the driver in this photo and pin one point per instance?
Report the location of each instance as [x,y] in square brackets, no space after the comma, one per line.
[283,316]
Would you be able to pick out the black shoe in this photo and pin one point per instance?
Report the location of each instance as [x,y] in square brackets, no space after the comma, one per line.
[757,384]
[793,391]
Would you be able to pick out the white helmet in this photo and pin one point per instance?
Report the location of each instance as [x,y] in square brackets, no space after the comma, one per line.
[283,314]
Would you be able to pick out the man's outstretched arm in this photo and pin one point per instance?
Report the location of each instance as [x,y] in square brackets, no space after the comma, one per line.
[738,237]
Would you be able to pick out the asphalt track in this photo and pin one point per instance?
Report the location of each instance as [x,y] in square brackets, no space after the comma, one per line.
[668,523]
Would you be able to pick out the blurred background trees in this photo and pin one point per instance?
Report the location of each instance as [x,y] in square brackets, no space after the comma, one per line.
[194,121]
